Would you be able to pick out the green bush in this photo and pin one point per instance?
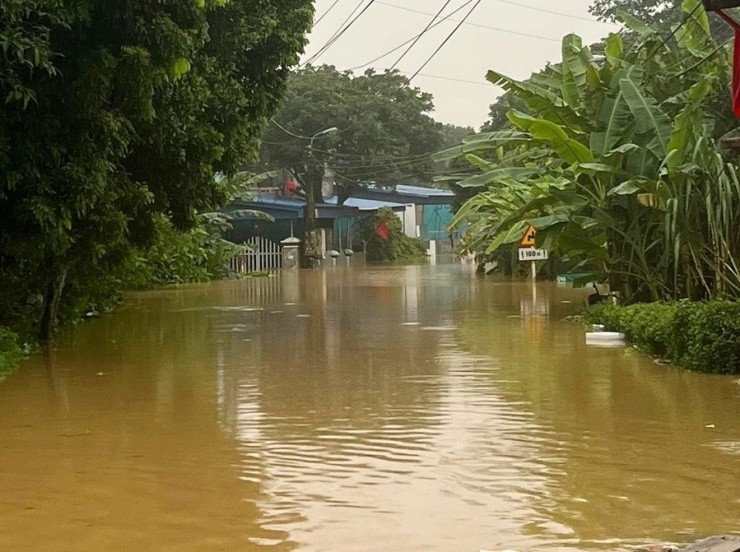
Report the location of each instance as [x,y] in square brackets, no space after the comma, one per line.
[706,337]
[398,246]
[11,351]
[703,337]
[176,257]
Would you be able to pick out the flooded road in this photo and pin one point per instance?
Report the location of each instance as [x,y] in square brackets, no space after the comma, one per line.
[389,408]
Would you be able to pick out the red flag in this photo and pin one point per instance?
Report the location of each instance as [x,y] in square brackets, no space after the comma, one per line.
[290,187]
[736,64]
[382,230]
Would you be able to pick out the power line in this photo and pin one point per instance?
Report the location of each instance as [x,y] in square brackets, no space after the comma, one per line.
[453,79]
[343,29]
[288,132]
[552,12]
[381,164]
[422,33]
[389,52]
[449,36]
[323,15]
[499,29]
[334,34]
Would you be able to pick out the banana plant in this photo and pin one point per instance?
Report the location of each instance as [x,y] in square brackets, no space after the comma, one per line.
[615,163]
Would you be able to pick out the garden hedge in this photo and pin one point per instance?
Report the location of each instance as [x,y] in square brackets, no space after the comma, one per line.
[704,337]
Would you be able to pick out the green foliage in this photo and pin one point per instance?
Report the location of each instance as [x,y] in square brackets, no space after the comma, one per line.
[177,257]
[398,246]
[661,12]
[704,337]
[117,115]
[614,160]
[384,128]
[11,352]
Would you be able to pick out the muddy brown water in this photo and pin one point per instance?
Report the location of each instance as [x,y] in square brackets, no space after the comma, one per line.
[388,408]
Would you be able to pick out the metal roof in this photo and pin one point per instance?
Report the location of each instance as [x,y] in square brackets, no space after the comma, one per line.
[282,208]
[368,204]
[405,189]
[406,194]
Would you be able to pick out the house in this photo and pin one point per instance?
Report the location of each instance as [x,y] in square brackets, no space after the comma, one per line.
[424,212]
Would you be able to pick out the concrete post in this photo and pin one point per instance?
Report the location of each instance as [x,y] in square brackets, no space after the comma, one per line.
[290,249]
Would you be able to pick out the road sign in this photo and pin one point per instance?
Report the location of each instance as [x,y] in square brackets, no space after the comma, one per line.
[532,254]
[528,237]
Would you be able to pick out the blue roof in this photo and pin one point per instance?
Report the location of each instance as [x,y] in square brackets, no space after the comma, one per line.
[421,191]
[406,194]
[280,207]
[367,204]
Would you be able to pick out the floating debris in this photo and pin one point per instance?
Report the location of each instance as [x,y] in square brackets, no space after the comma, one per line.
[605,339]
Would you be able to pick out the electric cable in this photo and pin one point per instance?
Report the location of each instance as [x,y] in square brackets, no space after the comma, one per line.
[389,52]
[499,29]
[453,79]
[334,35]
[446,40]
[337,35]
[553,12]
[323,15]
[288,132]
[418,37]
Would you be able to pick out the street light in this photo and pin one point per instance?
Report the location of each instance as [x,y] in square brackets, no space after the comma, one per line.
[329,130]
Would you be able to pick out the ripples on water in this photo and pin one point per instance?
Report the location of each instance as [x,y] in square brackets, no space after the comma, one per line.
[409,409]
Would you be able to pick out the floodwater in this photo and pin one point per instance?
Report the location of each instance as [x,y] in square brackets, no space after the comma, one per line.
[414,408]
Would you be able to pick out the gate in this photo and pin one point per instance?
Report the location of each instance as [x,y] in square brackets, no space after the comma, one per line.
[262,255]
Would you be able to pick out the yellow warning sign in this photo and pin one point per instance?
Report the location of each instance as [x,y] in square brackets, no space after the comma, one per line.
[528,237]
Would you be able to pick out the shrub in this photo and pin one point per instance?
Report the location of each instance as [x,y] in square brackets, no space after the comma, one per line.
[11,351]
[397,246]
[176,257]
[704,337]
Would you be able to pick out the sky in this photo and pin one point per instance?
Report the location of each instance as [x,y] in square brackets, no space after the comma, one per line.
[500,34]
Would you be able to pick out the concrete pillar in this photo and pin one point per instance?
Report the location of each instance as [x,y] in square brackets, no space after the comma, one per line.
[290,250]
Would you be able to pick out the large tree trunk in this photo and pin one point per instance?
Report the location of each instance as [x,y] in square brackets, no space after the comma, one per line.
[52,298]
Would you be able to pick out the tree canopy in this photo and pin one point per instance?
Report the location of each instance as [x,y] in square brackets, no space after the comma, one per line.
[384,128]
[657,12]
[117,113]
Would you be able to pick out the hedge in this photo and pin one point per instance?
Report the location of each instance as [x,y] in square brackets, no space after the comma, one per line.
[704,337]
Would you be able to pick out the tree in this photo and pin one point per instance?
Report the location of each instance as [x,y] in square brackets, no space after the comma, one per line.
[384,128]
[615,162]
[657,12]
[383,133]
[116,114]
[664,14]
[454,134]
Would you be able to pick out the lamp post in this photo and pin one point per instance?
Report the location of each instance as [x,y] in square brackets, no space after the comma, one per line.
[309,219]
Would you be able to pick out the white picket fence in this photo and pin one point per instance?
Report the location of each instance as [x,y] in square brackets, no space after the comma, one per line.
[262,255]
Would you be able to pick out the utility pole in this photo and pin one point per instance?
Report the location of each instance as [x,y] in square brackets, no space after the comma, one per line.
[310,242]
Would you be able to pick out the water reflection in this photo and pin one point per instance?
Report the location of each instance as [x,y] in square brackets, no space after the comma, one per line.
[405,408]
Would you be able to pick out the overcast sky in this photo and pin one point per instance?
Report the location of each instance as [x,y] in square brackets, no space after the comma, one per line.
[499,35]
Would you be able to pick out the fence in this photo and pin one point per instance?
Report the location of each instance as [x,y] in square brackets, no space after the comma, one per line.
[262,255]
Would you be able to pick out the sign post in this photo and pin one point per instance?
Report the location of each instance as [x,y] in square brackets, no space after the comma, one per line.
[528,252]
